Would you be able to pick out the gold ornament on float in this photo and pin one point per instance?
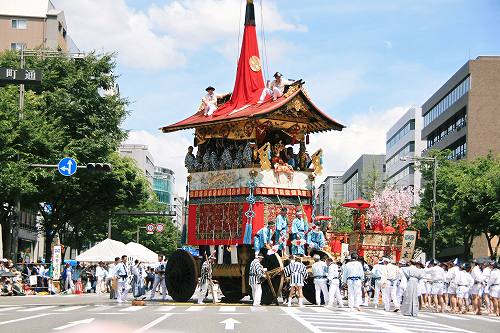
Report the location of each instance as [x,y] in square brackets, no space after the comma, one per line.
[255,63]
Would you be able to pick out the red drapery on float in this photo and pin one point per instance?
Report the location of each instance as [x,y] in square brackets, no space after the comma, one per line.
[249,81]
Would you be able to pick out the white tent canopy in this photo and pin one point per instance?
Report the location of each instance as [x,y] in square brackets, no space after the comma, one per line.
[105,251]
[142,253]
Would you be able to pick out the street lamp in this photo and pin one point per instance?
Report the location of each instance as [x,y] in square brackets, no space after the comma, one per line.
[434,162]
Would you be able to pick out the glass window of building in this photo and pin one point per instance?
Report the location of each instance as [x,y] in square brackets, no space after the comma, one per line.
[351,187]
[19,24]
[461,89]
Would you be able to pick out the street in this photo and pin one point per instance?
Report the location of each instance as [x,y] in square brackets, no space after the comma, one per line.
[97,313]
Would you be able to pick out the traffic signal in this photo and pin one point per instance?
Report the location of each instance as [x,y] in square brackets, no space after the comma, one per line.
[99,167]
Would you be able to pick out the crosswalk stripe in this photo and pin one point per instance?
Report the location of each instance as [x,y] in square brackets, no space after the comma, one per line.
[164,308]
[335,329]
[257,309]
[24,318]
[102,308]
[195,308]
[38,308]
[455,317]
[71,308]
[304,323]
[227,309]
[132,309]
[321,310]
[10,308]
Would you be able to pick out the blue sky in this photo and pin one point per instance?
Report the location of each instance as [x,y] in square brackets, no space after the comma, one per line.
[360,59]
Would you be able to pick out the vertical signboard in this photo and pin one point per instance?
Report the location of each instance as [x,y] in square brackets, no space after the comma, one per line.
[56,263]
[408,246]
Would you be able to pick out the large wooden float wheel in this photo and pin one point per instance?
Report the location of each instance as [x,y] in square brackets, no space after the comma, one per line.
[308,289]
[181,276]
[274,266]
[231,289]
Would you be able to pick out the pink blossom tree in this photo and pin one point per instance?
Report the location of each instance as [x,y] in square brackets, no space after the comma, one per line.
[392,204]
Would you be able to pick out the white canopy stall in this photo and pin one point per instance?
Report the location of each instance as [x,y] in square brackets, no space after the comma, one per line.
[105,251]
[142,253]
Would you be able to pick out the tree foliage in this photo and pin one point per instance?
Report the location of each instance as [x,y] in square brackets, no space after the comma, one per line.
[467,202]
[342,219]
[68,115]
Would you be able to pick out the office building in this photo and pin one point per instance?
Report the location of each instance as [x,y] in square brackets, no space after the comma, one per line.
[141,155]
[164,184]
[366,174]
[402,140]
[178,220]
[332,189]
[462,115]
[33,24]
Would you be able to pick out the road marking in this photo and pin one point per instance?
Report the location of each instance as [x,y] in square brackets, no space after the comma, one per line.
[293,314]
[132,309]
[321,310]
[227,309]
[195,308]
[102,307]
[38,308]
[229,323]
[375,322]
[258,309]
[24,318]
[74,323]
[153,323]
[11,308]
[71,308]
[164,308]
[351,329]
[449,317]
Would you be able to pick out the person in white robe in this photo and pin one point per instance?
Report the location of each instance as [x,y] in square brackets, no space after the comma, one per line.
[413,275]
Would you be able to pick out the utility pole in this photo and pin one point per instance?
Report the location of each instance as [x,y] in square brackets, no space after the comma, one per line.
[109,227]
[434,186]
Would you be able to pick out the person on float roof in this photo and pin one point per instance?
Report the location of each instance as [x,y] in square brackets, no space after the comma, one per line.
[210,101]
[276,88]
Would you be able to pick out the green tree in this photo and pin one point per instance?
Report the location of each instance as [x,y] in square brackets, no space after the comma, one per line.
[68,115]
[467,202]
[373,183]
[342,219]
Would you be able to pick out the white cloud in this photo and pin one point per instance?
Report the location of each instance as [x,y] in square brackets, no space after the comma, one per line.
[388,44]
[159,37]
[364,135]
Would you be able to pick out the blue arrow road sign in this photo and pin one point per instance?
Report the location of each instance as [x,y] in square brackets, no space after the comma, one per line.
[67,166]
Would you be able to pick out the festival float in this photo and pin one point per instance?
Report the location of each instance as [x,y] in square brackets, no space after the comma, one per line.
[240,177]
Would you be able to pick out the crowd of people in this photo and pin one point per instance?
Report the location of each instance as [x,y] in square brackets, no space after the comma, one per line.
[453,287]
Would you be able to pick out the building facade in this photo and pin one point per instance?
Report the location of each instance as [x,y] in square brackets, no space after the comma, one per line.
[33,24]
[402,140]
[178,220]
[143,158]
[332,189]
[463,114]
[164,184]
[367,172]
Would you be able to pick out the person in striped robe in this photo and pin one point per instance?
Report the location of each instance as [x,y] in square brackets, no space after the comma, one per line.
[255,275]
[297,272]
[206,280]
